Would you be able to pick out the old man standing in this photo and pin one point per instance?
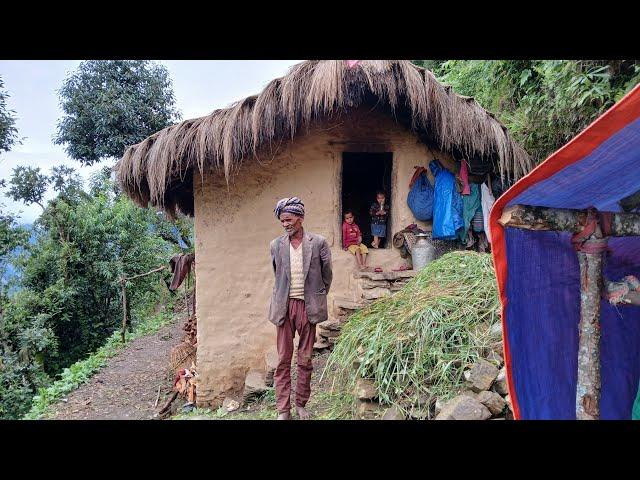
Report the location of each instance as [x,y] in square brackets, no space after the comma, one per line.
[302,267]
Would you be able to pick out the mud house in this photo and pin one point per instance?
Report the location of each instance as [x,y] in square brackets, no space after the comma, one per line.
[330,132]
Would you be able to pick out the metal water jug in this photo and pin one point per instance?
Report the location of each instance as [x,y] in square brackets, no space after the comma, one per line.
[422,252]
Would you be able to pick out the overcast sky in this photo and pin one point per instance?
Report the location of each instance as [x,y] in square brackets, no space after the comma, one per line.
[200,87]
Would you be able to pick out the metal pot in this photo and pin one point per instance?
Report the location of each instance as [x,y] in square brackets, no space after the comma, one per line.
[422,252]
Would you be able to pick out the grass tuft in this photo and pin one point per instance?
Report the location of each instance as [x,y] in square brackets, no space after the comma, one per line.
[416,344]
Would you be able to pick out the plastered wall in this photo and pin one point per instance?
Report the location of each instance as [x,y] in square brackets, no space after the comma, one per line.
[234,225]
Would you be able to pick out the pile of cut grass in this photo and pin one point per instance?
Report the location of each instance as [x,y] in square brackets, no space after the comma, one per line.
[416,344]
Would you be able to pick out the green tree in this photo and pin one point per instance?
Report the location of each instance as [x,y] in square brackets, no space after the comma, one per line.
[111,104]
[65,181]
[28,184]
[12,236]
[543,103]
[8,130]
[84,242]
[18,379]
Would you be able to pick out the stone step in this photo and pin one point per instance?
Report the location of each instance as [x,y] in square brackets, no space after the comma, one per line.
[328,333]
[385,275]
[375,293]
[347,304]
[366,283]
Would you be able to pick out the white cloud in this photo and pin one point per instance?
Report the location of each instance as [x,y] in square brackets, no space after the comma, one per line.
[200,87]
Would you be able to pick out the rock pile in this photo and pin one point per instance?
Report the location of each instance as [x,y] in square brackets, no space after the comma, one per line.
[367,408]
[487,397]
[327,333]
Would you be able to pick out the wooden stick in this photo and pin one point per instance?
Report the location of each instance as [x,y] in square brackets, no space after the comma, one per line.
[157,397]
[563,219]
[168,403]
[123,288]
[588,385]
[145,274]
[124,309]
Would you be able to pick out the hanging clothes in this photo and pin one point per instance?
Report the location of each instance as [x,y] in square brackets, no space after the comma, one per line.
[447,204]
[464,176]
[420,197]
[477,222]
[487,201]
[471,205]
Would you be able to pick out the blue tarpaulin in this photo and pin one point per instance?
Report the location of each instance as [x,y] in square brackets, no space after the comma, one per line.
[539,277]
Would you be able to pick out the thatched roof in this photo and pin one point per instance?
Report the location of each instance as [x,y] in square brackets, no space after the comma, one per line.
[159,169]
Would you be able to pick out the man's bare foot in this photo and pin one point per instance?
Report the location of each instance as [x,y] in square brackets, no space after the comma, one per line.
[303,413]
[284,416]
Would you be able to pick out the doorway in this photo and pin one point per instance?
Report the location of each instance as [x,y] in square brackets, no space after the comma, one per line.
[363,174]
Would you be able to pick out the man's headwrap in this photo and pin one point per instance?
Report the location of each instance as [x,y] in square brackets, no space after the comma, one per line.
[292,205]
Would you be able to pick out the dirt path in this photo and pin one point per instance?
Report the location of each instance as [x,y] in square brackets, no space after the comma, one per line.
[126,389]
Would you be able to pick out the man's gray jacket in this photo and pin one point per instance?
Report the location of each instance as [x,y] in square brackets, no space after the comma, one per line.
[316,258]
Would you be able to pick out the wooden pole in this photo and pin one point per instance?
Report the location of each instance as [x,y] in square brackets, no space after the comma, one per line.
[123,290]
[124,308]
[588,386]
[591,259]
[564,219]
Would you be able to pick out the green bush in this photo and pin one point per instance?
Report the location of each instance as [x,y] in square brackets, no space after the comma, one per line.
[543,103]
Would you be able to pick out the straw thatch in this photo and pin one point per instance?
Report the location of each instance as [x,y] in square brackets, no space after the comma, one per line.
[159,170]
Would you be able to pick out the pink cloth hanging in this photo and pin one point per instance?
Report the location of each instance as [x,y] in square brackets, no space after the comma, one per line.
[464,176]
[352,63]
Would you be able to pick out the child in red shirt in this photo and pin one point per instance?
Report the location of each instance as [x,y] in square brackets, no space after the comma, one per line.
[352,240]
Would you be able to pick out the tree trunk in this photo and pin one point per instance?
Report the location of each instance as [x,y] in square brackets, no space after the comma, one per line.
[588,386]
[564,219]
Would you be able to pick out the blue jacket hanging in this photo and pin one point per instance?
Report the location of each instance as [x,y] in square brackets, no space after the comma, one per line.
[420,198]
[447,204]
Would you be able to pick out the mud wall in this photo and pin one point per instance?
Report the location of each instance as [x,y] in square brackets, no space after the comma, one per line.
[234,225]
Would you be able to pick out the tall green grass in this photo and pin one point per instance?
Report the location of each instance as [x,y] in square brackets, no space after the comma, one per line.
[416,343]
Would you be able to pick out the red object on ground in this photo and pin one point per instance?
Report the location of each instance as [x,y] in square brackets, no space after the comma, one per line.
[295,321]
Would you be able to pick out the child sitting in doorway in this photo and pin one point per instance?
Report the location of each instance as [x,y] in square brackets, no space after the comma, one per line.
[352,240]
[379,212]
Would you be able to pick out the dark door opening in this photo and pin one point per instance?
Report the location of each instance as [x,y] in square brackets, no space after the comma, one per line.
[362,175]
